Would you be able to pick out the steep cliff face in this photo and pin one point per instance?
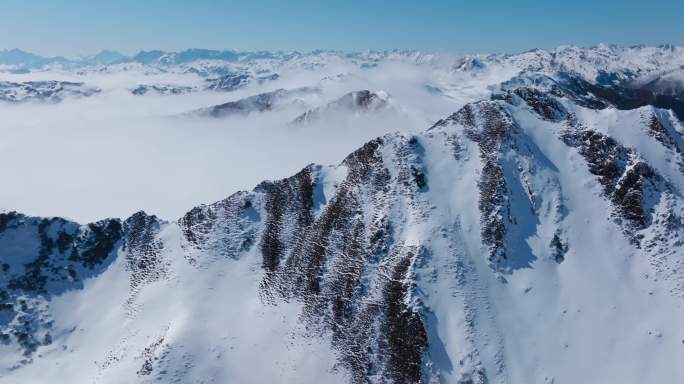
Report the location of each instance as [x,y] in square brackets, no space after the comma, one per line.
[509,243]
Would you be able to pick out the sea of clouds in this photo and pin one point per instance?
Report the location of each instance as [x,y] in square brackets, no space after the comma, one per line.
[114,153]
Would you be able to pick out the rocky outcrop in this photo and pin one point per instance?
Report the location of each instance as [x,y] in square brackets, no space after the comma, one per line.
[625,179]
[666,135]
[544,104]
[143,252]
[224,229]
[488,125]
[41,258]
[621,95]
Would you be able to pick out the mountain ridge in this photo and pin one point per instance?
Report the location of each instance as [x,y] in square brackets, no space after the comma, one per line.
[600,53]
[394,266]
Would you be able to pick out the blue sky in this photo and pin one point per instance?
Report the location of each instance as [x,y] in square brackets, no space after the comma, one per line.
[75,27]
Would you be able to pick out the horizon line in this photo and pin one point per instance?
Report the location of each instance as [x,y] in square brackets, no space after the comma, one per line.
[318,50]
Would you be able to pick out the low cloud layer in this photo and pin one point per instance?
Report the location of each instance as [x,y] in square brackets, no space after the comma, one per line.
[114,153]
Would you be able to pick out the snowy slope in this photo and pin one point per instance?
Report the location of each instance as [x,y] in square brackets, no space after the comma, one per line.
[532,238]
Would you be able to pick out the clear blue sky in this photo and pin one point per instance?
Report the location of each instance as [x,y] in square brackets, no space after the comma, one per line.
[74,27]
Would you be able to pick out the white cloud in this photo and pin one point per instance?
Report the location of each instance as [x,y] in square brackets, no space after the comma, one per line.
[115,153]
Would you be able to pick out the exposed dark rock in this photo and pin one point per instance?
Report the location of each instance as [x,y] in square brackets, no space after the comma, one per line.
[668,137]
[143,252]
[148,357]
[558,248]
[542,103]
[298,193]
[98,242]
[605,157]
[71,248]
[419,177]
[5,219]
[625,179]
[325,264]
[487,124]
[406,335]
[658,131]
[629,193]
[621,96]
[225,228]
[66,253]
[197,225]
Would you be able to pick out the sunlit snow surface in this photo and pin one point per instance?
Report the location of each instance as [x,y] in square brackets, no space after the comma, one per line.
[210,309]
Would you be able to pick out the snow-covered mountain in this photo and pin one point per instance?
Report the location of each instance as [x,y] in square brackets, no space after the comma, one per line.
[533,234]
[352,103]
[590,62]
[44,91]
[645,72]
[162,89]
[280,98]
[233,81]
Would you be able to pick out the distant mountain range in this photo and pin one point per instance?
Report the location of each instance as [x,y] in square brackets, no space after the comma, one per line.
[25,59]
